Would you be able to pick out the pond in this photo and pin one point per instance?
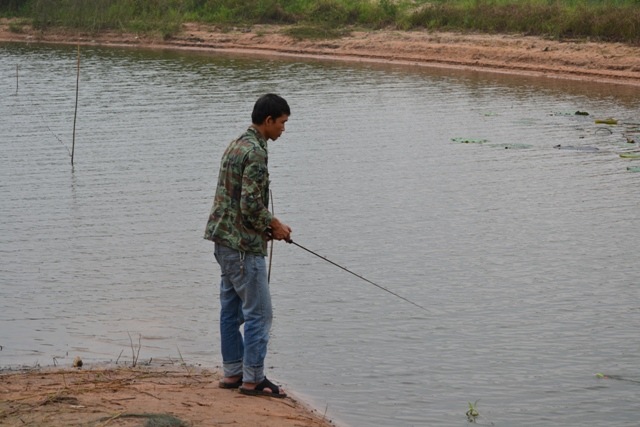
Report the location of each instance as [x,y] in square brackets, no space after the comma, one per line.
[446,187]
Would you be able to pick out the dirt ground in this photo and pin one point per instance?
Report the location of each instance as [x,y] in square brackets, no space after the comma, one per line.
[150,396]
[583,60]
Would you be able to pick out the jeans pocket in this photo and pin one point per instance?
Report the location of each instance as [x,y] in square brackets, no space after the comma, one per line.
[231,263]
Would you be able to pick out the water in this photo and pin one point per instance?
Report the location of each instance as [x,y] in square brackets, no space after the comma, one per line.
[526,258]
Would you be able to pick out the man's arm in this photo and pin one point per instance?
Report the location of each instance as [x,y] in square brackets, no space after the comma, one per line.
[253,209]
[252,206]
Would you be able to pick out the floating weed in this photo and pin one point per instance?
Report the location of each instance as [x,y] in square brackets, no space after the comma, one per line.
[602,376]
[608,121]
[470,140]
[586,148]
[527,121]
[631,155]
[473,413]
[515,146]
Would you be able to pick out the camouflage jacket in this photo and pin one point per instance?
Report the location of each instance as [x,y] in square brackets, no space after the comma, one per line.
[240,216]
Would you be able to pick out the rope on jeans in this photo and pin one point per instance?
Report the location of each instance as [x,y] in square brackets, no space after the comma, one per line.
[358,276]
[273,212]
[242,255]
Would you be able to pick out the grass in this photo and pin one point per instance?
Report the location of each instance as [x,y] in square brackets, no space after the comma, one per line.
[601,20]
[17,26]
[314,32]
[152,420]
[605,20]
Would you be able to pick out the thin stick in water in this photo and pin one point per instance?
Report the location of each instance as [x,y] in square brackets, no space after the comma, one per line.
[75,114]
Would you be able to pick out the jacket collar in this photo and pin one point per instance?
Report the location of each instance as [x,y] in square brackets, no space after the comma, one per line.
[261,139]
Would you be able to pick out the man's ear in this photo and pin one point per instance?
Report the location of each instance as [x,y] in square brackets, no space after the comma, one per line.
[266,121]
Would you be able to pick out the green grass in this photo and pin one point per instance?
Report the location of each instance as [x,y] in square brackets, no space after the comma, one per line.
[17,26]
[600,20]
[606,20]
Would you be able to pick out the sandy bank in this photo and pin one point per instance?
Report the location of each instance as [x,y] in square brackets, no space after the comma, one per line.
[168,396]
[588,61]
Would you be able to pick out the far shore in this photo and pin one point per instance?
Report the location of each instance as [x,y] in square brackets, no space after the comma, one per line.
[581,60]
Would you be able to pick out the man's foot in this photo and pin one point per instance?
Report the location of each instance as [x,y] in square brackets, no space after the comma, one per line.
[230,382]
[264,388]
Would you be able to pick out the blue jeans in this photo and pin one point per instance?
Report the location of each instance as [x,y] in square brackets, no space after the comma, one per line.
[244,298]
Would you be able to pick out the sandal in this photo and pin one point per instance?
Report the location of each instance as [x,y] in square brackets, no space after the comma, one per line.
[259,390]
[223,384]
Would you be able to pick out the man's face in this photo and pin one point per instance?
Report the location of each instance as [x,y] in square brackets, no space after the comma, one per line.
[275,127]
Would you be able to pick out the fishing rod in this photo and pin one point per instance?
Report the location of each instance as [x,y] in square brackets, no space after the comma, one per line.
[358,276]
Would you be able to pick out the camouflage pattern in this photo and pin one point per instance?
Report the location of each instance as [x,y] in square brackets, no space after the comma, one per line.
[240,216]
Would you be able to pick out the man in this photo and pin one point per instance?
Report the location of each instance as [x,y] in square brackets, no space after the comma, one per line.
[240,225]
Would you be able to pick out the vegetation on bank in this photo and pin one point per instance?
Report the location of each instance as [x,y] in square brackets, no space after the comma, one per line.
[605,20]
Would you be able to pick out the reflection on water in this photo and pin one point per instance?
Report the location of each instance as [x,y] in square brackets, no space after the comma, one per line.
[526,256]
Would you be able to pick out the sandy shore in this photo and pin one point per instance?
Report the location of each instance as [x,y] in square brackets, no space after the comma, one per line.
[160,396]
[581,60]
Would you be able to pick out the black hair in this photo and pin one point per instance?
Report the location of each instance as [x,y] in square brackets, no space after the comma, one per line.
[269,105]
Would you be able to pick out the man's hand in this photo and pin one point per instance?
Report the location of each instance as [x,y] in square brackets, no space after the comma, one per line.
[279,230]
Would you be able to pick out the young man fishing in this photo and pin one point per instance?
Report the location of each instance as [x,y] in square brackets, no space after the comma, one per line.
[240,225]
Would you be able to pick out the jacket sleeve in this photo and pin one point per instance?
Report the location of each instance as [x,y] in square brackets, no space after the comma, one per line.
[255,179]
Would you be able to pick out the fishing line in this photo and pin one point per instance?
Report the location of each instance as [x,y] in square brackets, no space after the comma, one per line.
[38,111]
[42,120]
[359,276]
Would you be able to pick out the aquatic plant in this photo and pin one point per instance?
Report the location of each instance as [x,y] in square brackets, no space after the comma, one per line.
[607,121]
[470,140]
[512,146]
[135,354]
[473,413]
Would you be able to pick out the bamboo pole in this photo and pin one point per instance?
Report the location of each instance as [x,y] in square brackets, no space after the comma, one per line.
[75,113]
[17,69]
